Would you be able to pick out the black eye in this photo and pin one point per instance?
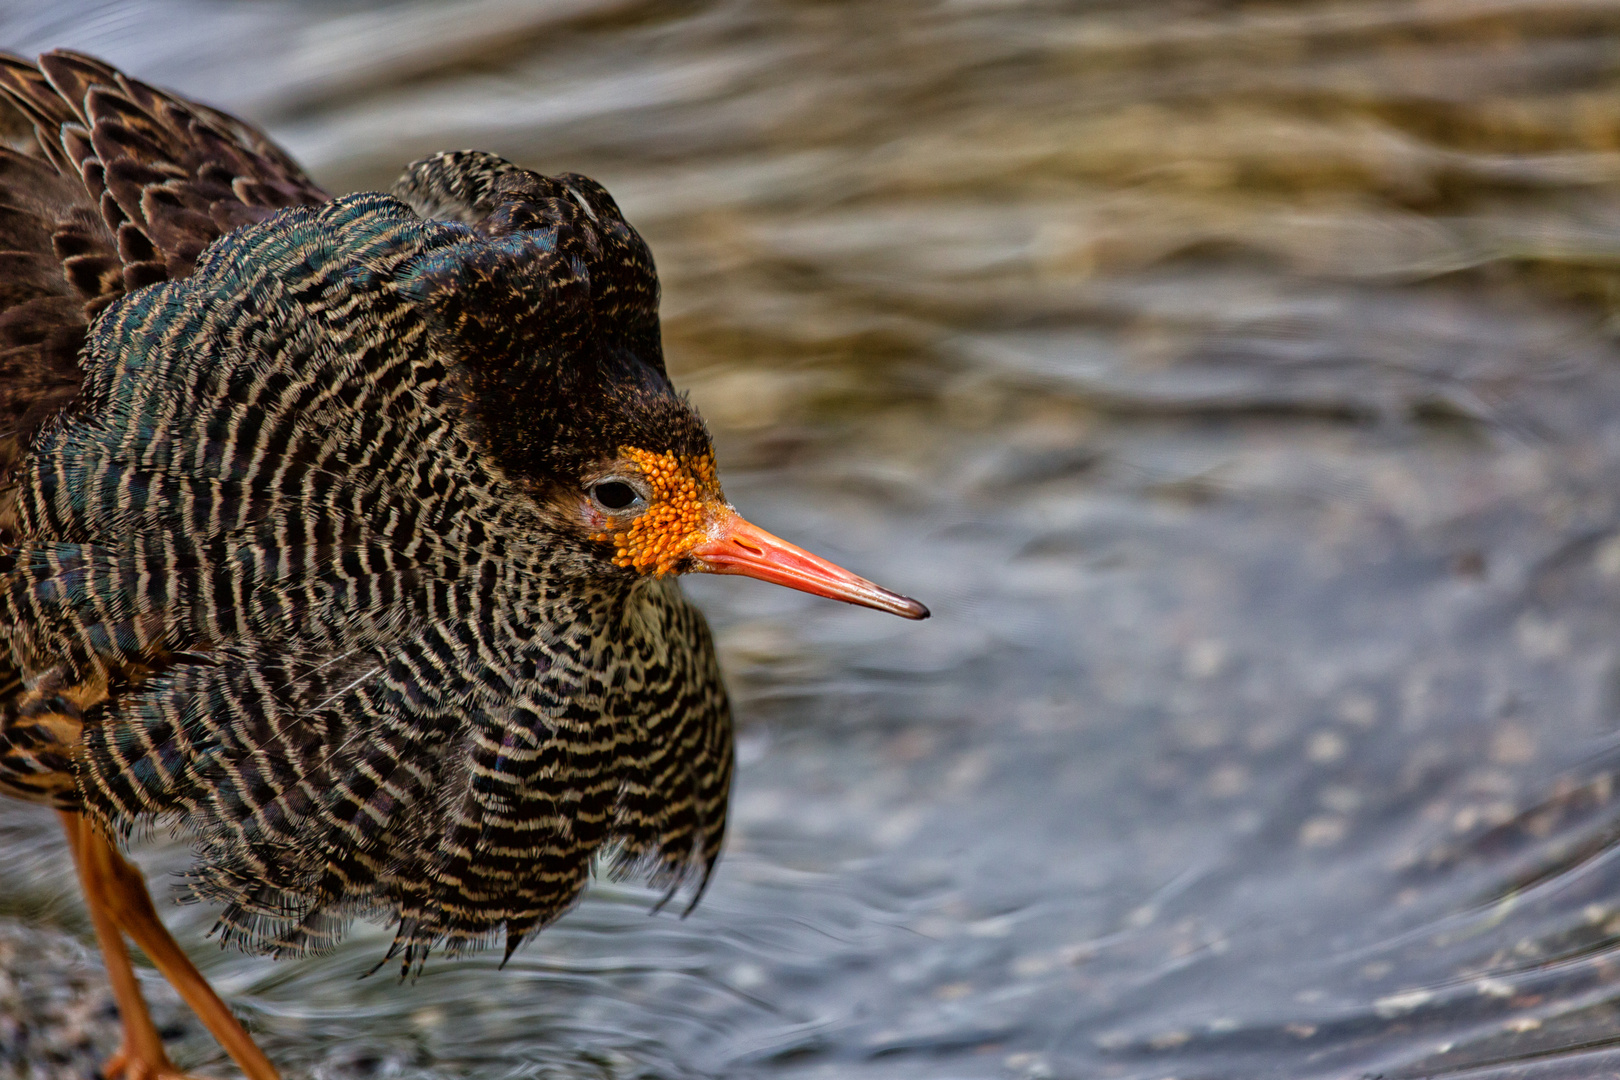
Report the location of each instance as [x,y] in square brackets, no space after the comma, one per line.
[614,495]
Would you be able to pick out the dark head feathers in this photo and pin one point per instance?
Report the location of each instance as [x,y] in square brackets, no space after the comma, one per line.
[550,302]
[551,305]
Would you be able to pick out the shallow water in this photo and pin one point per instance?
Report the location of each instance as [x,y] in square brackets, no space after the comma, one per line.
[1237,383]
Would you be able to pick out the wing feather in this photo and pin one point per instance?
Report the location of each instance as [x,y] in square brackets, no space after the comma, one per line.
[333,639]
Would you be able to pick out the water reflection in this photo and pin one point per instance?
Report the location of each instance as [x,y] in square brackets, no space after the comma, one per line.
[1236,382]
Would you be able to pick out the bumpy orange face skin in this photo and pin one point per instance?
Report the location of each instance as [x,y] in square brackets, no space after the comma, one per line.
[685,492]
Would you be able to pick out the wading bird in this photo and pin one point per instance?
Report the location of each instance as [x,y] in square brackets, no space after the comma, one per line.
[342,534]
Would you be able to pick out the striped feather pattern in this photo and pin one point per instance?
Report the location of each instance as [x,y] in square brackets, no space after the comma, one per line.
[112,185]
[294,565]
[121,186]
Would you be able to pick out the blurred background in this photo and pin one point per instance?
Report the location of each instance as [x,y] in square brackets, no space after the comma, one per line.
[1238,383]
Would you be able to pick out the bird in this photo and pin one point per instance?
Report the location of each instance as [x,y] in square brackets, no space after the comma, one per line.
[341,535]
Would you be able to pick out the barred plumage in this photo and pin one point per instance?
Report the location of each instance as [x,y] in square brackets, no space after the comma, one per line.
[318,564]
[373,693]
[377,695]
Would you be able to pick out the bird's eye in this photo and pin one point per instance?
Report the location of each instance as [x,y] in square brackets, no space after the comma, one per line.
[614,494]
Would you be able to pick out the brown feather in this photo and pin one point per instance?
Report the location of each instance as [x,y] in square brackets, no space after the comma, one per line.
[121,186]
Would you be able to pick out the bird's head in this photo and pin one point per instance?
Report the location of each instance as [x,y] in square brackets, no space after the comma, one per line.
[551,303]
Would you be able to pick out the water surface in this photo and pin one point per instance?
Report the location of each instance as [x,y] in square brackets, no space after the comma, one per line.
[1237,382]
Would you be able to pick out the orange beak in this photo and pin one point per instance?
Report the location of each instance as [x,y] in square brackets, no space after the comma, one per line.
[736,547]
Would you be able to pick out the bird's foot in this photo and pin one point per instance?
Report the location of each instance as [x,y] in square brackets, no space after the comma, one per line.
[125,1066]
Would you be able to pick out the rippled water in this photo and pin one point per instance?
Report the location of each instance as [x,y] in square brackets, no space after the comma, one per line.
[1239,385]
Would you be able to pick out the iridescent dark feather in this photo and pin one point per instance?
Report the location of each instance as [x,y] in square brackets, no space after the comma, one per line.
[70,244]
[289,562]
[120,186]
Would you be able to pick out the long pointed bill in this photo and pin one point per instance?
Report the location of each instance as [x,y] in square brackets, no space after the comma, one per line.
[737,547]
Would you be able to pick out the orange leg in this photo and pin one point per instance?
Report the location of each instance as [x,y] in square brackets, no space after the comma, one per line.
[119,904]
[141,1056]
